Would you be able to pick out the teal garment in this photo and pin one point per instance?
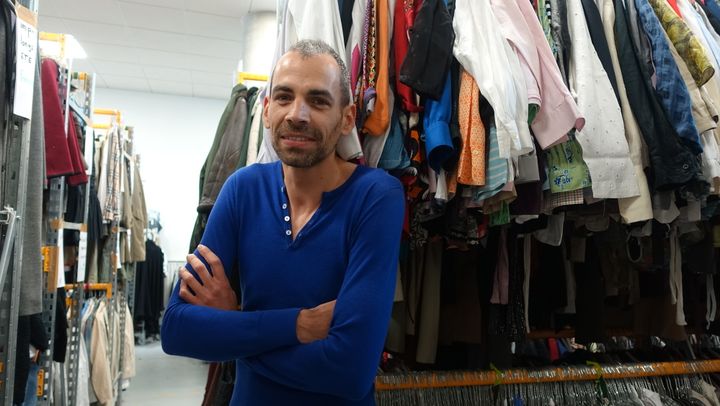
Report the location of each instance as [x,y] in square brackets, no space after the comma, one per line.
[567,170]
[497,170]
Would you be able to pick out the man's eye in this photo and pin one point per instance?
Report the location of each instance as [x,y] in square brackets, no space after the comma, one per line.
[282,97]
[321,102]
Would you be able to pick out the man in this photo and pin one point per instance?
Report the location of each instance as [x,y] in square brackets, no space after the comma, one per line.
[316,242]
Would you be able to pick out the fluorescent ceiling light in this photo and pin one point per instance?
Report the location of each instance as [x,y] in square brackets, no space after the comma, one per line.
[52,48]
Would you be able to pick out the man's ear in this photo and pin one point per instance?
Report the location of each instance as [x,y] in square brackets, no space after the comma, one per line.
[348,118]
[265,117]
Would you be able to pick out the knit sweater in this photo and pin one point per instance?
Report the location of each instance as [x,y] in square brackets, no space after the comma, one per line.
[347,251]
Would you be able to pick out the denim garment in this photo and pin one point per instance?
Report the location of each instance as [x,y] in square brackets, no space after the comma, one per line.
[670,87]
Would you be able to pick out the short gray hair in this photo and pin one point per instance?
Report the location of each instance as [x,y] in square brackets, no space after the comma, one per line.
[314,47]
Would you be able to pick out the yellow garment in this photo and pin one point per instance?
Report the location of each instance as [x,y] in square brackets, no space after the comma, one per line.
[689,48]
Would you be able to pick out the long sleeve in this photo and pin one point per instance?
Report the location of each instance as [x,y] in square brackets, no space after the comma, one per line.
[225,334]
[436,122]
[344,364]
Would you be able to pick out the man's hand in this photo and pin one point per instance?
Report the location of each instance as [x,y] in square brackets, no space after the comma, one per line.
[313,324]
[215,290]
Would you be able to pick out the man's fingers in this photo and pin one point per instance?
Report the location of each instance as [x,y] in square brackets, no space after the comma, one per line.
[218,271]
[189,280]
[199,268]
[185,293]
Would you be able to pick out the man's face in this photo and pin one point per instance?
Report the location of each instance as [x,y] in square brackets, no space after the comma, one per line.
[304,110]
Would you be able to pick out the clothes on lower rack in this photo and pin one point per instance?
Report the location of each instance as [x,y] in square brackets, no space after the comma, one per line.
[149,290]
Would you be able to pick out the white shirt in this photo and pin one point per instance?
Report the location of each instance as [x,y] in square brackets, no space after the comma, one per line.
[605,148]
[485,53]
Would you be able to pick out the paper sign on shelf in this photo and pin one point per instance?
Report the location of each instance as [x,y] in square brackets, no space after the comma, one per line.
[26,43]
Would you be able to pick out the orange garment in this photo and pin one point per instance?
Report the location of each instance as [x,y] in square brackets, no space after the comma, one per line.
[472,162]
[379,119]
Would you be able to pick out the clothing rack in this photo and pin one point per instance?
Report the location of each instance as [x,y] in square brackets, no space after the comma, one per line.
[106,287]
[427,380]
[116,115]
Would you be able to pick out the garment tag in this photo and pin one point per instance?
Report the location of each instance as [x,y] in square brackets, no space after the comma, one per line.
[26,43]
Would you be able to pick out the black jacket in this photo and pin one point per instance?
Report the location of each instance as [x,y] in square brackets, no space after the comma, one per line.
[673,165]
[430,52]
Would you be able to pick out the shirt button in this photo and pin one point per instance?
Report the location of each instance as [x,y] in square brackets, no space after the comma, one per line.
[686,166]
[284,206]
[288,232]
[287,218]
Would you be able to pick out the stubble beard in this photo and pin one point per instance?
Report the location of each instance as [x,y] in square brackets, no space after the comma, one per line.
[301,158]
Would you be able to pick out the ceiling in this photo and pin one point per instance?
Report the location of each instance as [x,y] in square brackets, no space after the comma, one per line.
[179,47]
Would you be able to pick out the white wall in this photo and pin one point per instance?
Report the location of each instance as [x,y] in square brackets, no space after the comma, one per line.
[173,135]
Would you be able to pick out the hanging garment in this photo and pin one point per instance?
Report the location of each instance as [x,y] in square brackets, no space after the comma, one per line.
[558,112]
[604,147]
[429,55]
[140,216]
[100,365]
[472,162]
[322,21]
[637,208]
[31,280]
[436,121]
[672,164]
[567,170]
[684,41]
[669,87]
[223,160]
[486,55]
[378,117]
[57,153]
[405,14]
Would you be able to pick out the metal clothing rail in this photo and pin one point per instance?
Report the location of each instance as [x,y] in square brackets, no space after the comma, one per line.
[117,114]
[107,287]
[426,380]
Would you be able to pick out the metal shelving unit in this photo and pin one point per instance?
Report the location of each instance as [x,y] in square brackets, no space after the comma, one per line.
[14,175]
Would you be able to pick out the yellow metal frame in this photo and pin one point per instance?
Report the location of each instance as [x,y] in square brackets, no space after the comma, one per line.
[55,37]
[243,76]
[117,114]
[107,287]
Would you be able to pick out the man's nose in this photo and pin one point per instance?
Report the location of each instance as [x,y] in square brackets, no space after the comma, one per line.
[299,112]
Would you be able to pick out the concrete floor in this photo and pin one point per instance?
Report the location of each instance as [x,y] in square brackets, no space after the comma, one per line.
[165,380]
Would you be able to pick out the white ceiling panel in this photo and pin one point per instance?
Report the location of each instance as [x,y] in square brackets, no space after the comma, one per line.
[119,68]
[102,11]
[97,32]
[49,9]
[107,52]
[160,40]
[169,87]
[173,4]
[52,24]
[213,47]
[213,26]
[213,92]
[171,74]
[216,79]
[227,8]
[216,65]
[153,18]
[126,82]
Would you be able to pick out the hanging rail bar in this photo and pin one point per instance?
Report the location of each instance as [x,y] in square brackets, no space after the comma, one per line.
[422,380]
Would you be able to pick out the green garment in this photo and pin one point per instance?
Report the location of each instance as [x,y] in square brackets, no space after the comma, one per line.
[567,170]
